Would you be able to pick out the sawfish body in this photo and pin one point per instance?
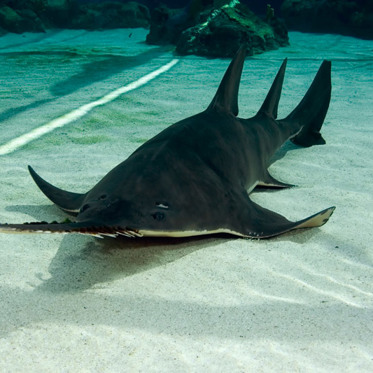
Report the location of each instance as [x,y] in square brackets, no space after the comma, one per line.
[194,177]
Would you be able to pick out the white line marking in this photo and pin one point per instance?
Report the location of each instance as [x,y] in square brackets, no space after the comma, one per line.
[24,139]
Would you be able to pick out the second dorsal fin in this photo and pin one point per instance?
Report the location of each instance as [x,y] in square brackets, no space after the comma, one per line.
[270,104]
[226,97]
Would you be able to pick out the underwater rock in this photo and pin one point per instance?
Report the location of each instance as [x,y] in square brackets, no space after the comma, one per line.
[31,21]
[166,25]
[57,13]
[38,15]
[19,21]
[346,17]
[111,14]
[229,27]
[33,15]
[217,32]
[10,20]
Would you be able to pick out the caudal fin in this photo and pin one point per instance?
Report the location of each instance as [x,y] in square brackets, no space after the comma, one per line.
[311,111]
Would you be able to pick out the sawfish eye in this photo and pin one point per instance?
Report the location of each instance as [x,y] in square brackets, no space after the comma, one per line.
[102,197]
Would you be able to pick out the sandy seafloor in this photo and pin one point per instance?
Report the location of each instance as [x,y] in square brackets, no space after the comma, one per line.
[302,302]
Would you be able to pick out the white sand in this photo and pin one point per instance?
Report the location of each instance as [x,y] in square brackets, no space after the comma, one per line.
[300,302]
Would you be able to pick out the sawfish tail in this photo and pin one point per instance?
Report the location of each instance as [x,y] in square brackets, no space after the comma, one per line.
[309,115]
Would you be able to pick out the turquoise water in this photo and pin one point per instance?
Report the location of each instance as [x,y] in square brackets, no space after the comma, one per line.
[298,302]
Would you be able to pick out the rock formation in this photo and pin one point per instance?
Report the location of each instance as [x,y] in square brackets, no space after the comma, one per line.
[217,31]
[346,17]
[38,15]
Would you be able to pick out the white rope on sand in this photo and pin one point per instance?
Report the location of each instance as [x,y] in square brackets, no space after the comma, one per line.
[24,139]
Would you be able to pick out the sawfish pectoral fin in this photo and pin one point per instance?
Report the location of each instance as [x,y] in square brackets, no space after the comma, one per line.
[316,220]
[66,201]
[265,223]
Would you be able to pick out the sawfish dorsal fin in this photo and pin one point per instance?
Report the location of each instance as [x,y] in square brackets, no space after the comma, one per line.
[270,104]
[226,97]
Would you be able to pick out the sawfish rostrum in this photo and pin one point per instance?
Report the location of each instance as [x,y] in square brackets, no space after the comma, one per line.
[194,178]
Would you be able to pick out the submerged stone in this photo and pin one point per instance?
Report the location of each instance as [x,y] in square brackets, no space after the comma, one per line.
[39,15]
[217,32]
[346,17]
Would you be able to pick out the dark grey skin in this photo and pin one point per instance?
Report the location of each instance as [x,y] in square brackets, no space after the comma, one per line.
[193,178]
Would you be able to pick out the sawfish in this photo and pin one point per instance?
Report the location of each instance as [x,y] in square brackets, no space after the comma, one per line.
[194,177]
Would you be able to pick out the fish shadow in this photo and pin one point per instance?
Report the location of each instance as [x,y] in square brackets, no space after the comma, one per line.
[99,68]
[84,262]
[103,68]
